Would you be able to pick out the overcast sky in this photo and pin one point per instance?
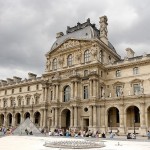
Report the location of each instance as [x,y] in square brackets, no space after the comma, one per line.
[28,29]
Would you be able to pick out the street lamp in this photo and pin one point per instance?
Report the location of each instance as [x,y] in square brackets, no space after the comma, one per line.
[134,129]
[111,126]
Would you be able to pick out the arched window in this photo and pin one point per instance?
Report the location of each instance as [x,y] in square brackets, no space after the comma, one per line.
[54,65]
[86,56]
[69,60]
[101,56]
[67,91]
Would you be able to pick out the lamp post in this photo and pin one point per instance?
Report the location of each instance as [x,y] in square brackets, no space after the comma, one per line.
[111,126]
[134,128]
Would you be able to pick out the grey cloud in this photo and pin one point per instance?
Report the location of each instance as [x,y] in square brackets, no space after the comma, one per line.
[28,28]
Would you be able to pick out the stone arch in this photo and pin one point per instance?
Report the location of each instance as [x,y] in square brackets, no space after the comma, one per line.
[113,117]
[132,116]
[65,118]
[1,119]
[9,119]
[26,115]
[37,118]
[17,119]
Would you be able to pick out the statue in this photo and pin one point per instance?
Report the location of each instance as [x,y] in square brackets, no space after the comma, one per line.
[48,65]
[142,89]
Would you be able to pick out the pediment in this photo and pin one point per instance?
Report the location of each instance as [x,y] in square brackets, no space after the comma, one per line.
[118,83]
[137,81]
[69,43]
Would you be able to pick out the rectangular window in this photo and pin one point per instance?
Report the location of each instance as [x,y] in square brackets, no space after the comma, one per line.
[28,101]
[51,95]
[118,73]
[20,89]
[37,87]
[136,89]
[5,92]
[28,88]
[85,92]
[135,70]
[12,91]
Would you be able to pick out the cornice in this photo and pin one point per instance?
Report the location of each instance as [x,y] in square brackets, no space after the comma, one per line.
[127,64]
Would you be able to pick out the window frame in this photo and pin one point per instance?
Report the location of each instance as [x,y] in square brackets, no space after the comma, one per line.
[67,93]
[86,56]
[54,64]
[69,60]
[85,92]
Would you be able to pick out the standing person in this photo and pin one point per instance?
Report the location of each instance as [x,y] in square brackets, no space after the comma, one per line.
[148,135]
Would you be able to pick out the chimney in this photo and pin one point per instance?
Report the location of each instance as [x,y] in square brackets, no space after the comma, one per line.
[17,79]
[59,34]
[31,75]
[103,29]
[3,82]
[130,52]
[10,81]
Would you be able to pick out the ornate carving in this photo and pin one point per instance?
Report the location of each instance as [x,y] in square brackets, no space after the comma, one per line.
[103,27]
[79,55]
[48,63]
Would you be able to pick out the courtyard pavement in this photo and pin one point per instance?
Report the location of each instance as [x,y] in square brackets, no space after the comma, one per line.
[36,143]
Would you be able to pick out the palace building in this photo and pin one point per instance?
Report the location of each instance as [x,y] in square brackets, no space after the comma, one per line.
[86,85]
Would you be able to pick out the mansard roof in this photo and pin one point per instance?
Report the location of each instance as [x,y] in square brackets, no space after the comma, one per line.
[84,31]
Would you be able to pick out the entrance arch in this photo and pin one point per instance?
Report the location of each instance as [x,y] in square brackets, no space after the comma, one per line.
[26,115]
[37,117]
[1,119]
[18,118]
[9,119]
[113,118]
[65,118]
[133,116]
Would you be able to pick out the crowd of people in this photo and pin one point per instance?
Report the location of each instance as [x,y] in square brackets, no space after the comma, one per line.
[76,133]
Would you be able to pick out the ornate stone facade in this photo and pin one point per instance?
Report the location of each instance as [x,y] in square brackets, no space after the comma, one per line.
[85,85]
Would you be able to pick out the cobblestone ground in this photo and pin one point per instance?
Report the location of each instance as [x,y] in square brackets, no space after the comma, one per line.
[36,143]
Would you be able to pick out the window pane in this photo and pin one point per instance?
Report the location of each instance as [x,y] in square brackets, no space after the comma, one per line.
[85,92]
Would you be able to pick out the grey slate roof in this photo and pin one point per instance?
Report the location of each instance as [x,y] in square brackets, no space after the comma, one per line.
[85,31]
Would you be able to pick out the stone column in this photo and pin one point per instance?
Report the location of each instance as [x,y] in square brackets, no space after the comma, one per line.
[121,113]
[53,117]
[53,92]
[94,116]
[72,114]
[57,92]
[22,118]
[90,88]
[75,116]
[41,120]
[45,116]
[72,90]
[142,115]
[76,89]
[90,117]
[56,117]
[5,120]
[121,116]
[46,94]
[43,93]
[13,120]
